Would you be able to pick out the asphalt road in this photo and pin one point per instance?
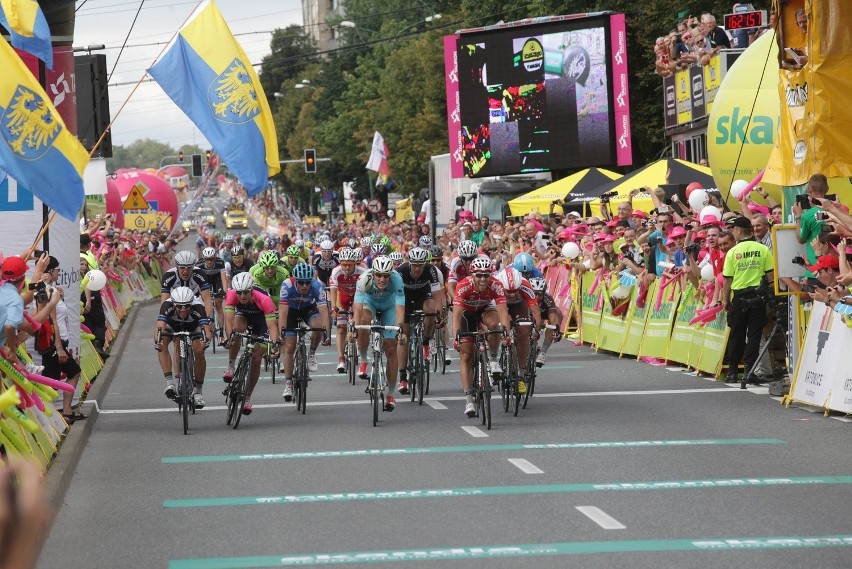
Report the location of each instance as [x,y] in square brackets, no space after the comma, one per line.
[614,463]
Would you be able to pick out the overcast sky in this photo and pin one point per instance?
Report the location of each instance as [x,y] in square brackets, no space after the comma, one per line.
[150,113]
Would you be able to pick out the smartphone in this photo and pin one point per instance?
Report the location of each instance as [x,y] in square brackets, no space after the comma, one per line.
[803,201]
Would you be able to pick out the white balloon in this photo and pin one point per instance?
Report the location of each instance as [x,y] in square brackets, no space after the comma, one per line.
[709,210]
[97,280]
[698,199]
[707,273]
[570,250]
[621,292]
[391,213]
[737,188]
[587,264]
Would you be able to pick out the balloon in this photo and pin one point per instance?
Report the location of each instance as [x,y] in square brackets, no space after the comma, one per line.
[570,250]
[587,264]
[391,213]
[750,186]
[738,187]
[707,273]
[97,280]
[691,187]
[621,292]
[698,199]
[708,212]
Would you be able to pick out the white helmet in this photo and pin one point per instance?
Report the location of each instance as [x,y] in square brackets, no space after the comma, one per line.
[327,245]
[185,259]
[395,256]
[425,241]
[480,265]
[510,278]
[182,295]
[366,241]
[359,255]
[418,255]
[538,283]
[242,281]
[299,243]
[346,254]
[467,249]
[208,253]
[382,265]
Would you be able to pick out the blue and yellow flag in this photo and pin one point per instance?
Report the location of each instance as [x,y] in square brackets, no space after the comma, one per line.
[208,75]
[28,28]
[36,149]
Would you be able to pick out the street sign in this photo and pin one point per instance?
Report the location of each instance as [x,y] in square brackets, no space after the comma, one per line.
[135,200]
[374,205]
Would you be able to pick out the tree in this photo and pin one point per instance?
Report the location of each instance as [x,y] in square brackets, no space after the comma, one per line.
[145,153]
[286,59]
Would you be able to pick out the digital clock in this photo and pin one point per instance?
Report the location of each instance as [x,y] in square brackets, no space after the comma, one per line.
[745,20]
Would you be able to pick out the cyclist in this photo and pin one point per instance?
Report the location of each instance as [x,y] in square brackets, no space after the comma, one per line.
[225,248]
[325,261]
[302,300]
[437,261]
[526,265]
[248,307]
[425,242]
[379,292]
[423,291]
[182,312]
[366,243]
[303,249]
[397,259]
[376,250]
[239,264]
[292,257]
[212,267]
[269,275]
[522,303]
[550,314]
[342,292]
[460,266]
[184,273]
[479,299]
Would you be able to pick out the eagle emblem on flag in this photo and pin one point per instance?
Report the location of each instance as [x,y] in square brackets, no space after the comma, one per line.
[233,96]
[28,126]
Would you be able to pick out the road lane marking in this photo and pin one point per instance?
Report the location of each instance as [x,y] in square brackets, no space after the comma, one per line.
[666,485]
[435,404]
[474,432]
[455,552]
[525,466]
[600,517]
[462,448]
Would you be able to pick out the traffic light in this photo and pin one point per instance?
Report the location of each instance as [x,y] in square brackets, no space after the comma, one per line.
[310,161]
[180,156]
[197,170]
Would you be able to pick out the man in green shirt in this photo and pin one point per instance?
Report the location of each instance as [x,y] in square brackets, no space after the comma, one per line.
[743,297]
[478,232]
[807,224]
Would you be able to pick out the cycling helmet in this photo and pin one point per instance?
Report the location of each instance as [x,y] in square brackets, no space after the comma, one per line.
[327,245]
[185,259]
[418,255]
[182,295]
[480,264]
[359,255]
[382,265]
[237,250]
[294,251]
[366,241]
[248,242]
[351,243]
[299,243]
[538,283]
[510,278]
[267,259]
[467,249]
[437,252]
[346,254]
[271,242]
[208,253]
[386,241]
[396,257]
[242,282]
[524,262]
[308,244]
[377,249]
[425,241]
[229,238]
[303,272]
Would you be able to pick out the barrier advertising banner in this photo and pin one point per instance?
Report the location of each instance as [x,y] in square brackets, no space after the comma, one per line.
[636,323]
[681,343]
[591,317]
[822,376]
[713,343]
[658,329]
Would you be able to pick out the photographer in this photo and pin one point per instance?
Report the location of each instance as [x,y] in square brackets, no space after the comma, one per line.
[808,224]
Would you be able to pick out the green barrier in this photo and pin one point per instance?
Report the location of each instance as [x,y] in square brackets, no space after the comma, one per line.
[612,331]
[681,343]
[714,340]
[636,324]
[658,327]
[591,318]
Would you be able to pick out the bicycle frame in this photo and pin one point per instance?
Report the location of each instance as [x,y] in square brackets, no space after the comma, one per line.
[378,379]
[300,365]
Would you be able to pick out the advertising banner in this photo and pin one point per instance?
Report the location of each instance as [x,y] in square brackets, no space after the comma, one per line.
[670,105]
[683,96]
[713,343]
[658,328]
[681,343]
[712,81]
[591,318]
[696,82]
[623,140]
[451,72]
[636,322]
[612,328]
[822,367]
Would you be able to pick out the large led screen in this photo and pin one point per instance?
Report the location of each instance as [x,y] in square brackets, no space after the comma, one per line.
[536,97]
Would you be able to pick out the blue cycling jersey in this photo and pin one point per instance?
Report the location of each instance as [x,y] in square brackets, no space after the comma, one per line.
[367,292]
[290,295]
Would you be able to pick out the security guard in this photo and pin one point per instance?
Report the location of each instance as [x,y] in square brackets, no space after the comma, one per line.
[746,265]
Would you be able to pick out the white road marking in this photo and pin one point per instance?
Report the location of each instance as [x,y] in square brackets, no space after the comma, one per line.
[435,404]
[843,419]
[474,432]
[600,517]
[525,466]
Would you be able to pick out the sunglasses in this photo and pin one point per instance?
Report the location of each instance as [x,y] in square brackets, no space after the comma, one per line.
[181,306]
[303,283]
[243,292]
[382,275]
[482,275]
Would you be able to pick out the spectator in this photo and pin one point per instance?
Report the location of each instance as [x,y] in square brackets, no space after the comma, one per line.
[25,514]
[807,224]
[716,36]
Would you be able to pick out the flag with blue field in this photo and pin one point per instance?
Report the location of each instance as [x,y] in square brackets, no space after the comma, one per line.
[28,28]
[205,71]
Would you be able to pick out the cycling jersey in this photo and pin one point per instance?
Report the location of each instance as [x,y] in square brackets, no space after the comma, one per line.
[345,284]
[225,252]
[458,269]
[257,310]
[444,269]
[195,318]
[231,269]
[546,303]
[525,293]
[468,297]
[428,281]
[367,292]
[324,267]
[213,275]
[271,285]
[197,281]
[290,295]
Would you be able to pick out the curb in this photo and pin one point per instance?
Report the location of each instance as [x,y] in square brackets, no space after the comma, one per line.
[64,465]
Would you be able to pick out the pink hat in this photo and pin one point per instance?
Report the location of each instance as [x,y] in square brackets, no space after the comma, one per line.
[610,239]
[755,208]
[639,213]
[600,237]
[611,223]
[677,231]
[848,249]
[580,229]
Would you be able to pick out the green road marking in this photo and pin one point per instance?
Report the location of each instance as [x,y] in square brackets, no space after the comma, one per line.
[468,448]
[505,490]
[520,550]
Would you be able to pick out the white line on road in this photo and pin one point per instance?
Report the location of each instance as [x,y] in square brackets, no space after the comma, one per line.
[525,466]
[435,404]
[600,517]
[474,432]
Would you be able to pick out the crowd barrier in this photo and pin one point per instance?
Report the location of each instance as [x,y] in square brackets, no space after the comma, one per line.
[29,424]
[660,328]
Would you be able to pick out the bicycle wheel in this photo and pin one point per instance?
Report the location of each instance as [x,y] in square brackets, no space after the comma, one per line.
[374,396]
[301,378]
[274,368]
[514,371]
[485,390]
[443,360]
[423,388]
[530,379]
[185,390]
[241,377]
[352,361]
[415,369]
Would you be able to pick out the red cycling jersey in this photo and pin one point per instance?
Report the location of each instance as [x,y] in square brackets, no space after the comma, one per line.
[345,284]
[469,299]
[458,270]
[524,293]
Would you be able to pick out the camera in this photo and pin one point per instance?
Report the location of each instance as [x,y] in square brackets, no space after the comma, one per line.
[820,215]
[605,198]
[692,250]
[808,288]
[799,260]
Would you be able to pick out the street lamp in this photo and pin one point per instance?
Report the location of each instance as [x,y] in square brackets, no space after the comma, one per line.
[427,19]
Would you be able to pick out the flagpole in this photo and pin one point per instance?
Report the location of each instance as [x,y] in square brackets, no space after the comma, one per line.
[111,122]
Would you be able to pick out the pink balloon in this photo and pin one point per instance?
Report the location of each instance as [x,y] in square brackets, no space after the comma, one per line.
[753,183]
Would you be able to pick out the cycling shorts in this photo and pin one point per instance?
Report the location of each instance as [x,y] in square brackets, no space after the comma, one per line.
[386,313]
[295,316]
[415,302]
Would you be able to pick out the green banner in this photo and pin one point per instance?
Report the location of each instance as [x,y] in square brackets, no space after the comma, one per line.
[612,328]
[680,345]
[714,340]
[591,317]
[636,322]
[658,327]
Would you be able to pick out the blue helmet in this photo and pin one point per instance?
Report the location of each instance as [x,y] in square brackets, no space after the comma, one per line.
[303,272]
[524,262]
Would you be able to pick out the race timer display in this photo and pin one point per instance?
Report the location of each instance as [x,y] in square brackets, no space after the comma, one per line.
[744,20]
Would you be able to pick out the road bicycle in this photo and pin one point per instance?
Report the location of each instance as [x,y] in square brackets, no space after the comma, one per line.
[378,378]
[186,364]
[236,392]
[532,368]
[418,367]
[271,361]
[300,366]
[350,350]
[481,376]
[511,370]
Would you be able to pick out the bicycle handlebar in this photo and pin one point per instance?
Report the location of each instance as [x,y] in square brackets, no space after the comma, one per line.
[376,328]
[478,333]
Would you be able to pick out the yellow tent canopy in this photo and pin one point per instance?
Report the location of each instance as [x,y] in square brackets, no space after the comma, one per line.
[581,182]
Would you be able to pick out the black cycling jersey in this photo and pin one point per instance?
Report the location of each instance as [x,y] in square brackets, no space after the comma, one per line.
[325,266]
[196,317]
[546,302]
[197,282]
[427,282]
[213,274]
